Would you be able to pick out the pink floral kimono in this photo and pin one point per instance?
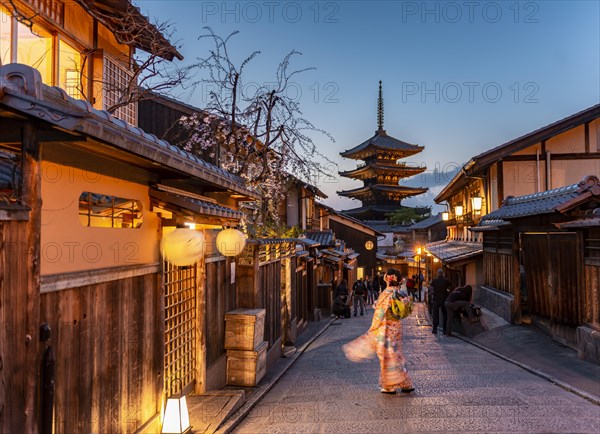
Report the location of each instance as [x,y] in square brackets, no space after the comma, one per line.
[384,338]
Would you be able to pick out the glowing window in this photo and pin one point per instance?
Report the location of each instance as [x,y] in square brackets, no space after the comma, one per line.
[69,69]
[34,48]
[99,210]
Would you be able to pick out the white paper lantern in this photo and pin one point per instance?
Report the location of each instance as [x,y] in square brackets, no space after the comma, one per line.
[231,242]
[182,247]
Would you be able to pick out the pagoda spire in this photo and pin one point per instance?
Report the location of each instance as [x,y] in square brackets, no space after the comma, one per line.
[380,110]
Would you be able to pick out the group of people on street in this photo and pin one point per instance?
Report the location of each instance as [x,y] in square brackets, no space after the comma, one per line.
[384,337]
[448,302]
[364,293]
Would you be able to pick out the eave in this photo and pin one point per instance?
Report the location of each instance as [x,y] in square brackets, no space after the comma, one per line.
[478,164]
[145,35]
[371,170]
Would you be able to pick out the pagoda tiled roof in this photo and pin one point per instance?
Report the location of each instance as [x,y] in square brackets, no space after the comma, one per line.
[383,142]
[368,190]
[370,169]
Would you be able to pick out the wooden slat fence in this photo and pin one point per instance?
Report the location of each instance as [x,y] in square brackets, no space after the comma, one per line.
[108,343]
[553,266]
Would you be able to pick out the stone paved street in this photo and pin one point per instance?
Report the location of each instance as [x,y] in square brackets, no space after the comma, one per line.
[459,388]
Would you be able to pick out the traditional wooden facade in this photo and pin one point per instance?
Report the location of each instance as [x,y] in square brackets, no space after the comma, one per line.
[85,200]
[84,47]
[558,154]
[532,254]
[381,172]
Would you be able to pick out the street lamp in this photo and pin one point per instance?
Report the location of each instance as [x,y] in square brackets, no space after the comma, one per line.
[418,259]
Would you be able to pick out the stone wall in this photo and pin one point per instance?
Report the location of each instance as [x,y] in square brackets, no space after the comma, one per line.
[496,301]
[588,344]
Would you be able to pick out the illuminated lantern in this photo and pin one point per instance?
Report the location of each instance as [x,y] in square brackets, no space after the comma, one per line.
[182,247]
[458,210]
[231,242]
[477,202]
[445,216]
[177,418]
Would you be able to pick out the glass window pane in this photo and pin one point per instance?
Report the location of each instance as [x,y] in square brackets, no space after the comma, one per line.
[34,48]
[69,61]
[5,20]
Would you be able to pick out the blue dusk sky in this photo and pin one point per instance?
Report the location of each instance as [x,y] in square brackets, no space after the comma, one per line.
[458,77]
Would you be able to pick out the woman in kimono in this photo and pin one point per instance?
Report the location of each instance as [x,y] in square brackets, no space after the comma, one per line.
[384,339]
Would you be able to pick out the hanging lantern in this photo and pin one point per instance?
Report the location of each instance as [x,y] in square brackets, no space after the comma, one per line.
[477,203]
[182,247]
[445,216]
[231,242]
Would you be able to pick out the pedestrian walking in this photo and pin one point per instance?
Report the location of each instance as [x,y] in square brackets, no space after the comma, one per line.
[460,297]
[371,297]
[358,292]
[384,339]
[441,288]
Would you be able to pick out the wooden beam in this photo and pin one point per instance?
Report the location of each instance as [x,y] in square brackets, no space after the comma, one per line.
[32,196]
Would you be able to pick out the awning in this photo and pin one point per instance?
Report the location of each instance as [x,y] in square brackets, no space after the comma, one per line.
[196,205]
[452,251]
[308,242]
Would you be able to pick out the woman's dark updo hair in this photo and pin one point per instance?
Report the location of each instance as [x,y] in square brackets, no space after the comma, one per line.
[396,275]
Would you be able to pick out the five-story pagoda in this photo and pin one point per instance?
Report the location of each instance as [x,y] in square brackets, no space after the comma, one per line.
[381,172]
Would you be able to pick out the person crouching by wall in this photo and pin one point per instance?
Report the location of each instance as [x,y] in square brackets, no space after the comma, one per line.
[460,297]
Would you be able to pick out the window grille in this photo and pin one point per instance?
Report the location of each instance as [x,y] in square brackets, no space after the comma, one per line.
[592,244]
[99,210]
[115,83]
[180,324]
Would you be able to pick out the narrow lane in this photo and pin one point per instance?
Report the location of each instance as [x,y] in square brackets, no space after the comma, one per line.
[459,388]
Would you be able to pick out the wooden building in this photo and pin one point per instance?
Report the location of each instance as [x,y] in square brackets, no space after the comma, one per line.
[86,199]
[85,47]
[541,252]
[558,154]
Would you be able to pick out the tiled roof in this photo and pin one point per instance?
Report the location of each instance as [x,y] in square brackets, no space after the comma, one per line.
[308,242]
[588,222]
[427,223]
[324,238]
[383,141]
[196,205]
[489,225]
[452,251]
[545,202]
[24,91]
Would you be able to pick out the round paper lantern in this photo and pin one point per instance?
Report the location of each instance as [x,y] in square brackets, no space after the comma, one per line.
[231,242]
[182,247]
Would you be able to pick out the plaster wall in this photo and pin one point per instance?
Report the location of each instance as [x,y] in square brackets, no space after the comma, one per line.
[67,246]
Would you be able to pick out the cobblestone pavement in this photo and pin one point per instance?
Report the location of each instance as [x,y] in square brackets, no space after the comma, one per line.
[459,388]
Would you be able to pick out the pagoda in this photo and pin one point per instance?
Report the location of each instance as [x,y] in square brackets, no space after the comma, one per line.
[381,172]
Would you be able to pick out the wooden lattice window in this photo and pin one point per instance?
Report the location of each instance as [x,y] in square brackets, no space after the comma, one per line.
[592,245]
[116,82]
[180,326]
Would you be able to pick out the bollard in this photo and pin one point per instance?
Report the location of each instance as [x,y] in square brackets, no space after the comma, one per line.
[317,314]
